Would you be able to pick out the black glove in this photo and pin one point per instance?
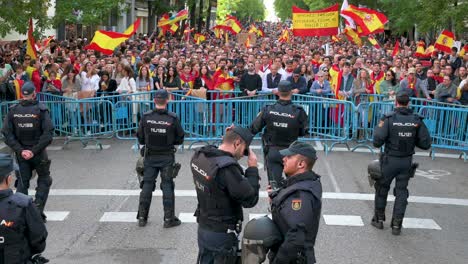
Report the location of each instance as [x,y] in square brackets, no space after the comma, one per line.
[38,259]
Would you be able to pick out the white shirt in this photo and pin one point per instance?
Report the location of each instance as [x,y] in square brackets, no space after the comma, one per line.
[89,84]
[127,85]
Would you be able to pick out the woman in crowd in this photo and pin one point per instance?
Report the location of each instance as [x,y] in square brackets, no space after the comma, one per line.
[71,82]
[172,81]
[158,78]
[89,79]
[52,85]
[390,85]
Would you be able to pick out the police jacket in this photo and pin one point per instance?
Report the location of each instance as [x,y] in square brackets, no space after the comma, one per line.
[28,127]
[284,122]
[22,231]
[296,211]
[159,131]
[222,188]
[401,131]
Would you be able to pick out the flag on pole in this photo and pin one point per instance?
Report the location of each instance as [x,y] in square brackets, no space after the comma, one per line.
[445,41]
[348,20]
[106,41]
[31,43]
[370,21]
[374,42]
[396,49]
[199,38]
[166,20]
[352,36]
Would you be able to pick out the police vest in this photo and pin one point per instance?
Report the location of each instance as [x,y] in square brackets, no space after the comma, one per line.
[14,247]
[313,187]
[402,134]
[27,123]
[282,124]
[216,210]
[159,130]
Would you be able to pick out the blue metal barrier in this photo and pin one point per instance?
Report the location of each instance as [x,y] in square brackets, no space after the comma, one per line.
[448,127]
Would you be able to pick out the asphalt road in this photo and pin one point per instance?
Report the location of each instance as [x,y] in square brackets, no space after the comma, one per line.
[94,199]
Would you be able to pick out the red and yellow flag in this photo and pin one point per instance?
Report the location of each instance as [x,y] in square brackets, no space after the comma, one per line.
[231,24]
[106,41]
[370,21]
[31,43]
[396,49]
[420,50]
[352,36]
[199,38]
[166,20]
[248,43]
[445,41]
[322,22]
[374,42]
[284,36]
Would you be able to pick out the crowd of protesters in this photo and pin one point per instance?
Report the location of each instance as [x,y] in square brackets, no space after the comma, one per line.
[146,63]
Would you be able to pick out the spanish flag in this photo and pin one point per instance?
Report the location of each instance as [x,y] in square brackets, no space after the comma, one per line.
[420,50]
[106,41]
[463,51]
[218,32]
[370,21]
[335,38]
[352,36]
[231,24]
[396,49]
[247,42]
[374,42]
[260,32]
[199,38]
[181,15]
[31,43]
[445,41]
[429,51]
[253,29]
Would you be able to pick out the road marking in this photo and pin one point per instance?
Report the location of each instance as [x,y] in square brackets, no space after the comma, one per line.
[319,145]
[262,194]
[343,220]
[121,217]
[56,215]
[187,218]
[252,216]
[420,223]
[97,147]
[54,148]
[432,174]
[331,175]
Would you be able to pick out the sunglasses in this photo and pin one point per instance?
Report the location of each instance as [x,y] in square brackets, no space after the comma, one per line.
[325,70]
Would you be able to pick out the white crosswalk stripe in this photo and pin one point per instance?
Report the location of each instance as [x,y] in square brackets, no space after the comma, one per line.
[122,217]
[187,218]
[343,220]
[420,223]
[56,215]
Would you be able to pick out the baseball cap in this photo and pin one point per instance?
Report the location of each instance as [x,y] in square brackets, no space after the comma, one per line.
[300,148]
[161,93]
[246,135]
[28,88]
[284,86]
[6,164]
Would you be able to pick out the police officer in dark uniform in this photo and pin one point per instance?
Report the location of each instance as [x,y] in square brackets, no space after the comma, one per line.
[284,122]
[400,131]
[223,189]
[28,130]
[159,131]
[296,206]
[22,232]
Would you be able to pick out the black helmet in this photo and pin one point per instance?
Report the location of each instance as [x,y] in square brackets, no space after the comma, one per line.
[263,231]
[374,169]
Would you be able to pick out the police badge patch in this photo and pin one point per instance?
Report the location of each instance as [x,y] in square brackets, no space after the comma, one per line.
[296,204]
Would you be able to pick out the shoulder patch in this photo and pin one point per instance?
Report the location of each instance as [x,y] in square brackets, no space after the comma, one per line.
[296,204]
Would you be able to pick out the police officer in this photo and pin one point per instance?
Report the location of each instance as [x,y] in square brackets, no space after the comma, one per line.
[400,131]
[22,232]
[28,130]
[284,122]
[223,189]
[296,207]
[159,131]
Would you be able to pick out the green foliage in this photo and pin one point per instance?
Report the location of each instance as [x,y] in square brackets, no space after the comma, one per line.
[14,15]
[93,12]
[283,7]
[250,9]
[226,7]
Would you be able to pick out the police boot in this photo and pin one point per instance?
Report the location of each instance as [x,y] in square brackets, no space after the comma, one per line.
[396,226]
[170,220]
[142,216]
[378,219]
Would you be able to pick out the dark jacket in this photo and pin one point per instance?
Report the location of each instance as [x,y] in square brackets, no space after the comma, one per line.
[296,210]
[21,227]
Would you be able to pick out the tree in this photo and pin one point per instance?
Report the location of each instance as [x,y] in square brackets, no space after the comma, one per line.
[86,12]
[14,15]
[283,7]
[225,7]
[250,10]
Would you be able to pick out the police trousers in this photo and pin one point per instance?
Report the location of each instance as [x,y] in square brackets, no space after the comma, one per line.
[154,165]
[217,247]
[41,164]
[274,164]
[397,168]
